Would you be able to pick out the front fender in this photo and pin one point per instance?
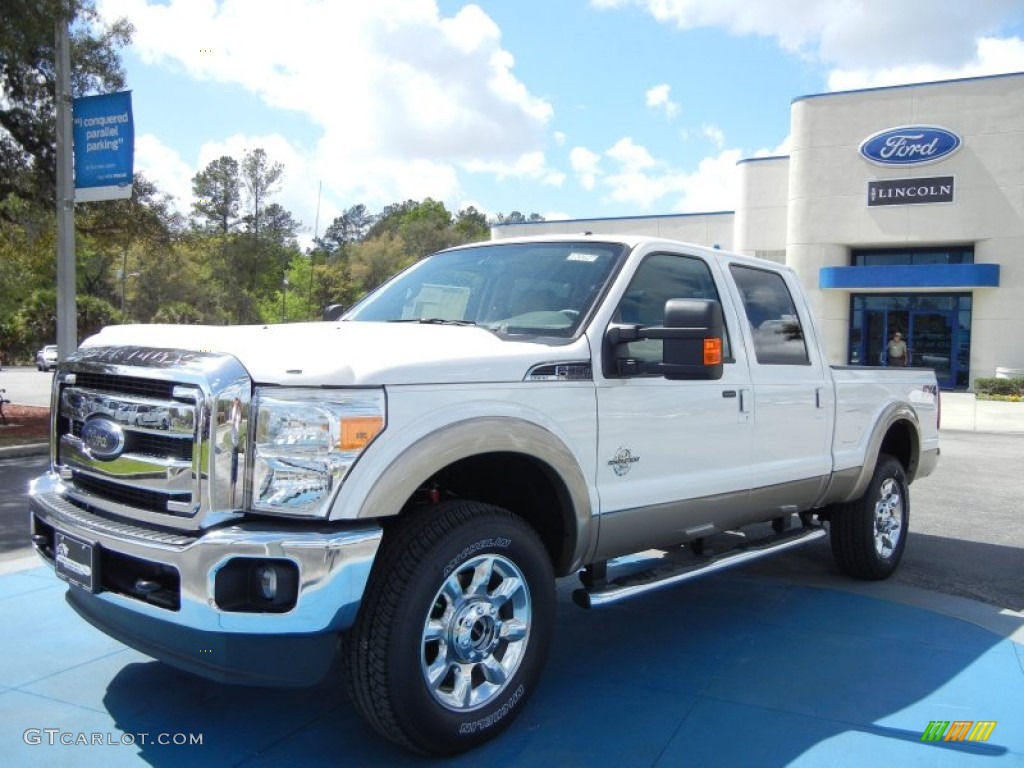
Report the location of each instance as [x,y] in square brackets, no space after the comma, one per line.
[404,475]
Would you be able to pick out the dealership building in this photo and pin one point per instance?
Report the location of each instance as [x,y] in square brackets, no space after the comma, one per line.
[902,211]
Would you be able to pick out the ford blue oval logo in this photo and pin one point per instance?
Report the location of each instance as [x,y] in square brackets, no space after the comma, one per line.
[103,439]
[910,145]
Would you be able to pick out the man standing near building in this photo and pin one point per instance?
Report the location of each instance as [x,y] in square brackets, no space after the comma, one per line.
[896,350]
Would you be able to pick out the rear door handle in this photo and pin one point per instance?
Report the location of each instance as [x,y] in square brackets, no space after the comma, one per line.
[744,401]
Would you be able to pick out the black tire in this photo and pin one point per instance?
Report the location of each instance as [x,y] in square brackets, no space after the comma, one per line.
[426,642]
[868,535]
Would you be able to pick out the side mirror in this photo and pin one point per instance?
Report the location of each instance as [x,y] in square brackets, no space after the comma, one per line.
[693,334]
[332,312]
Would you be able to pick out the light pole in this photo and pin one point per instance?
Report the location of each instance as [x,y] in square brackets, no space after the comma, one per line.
[284,300]
[124,275]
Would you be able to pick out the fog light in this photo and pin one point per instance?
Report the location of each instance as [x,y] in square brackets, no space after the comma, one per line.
[248,585]
[266,579]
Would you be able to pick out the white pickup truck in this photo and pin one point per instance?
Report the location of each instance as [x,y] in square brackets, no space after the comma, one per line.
[403,485]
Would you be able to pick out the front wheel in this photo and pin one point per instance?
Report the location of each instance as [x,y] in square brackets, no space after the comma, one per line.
[454,627]
[869,534]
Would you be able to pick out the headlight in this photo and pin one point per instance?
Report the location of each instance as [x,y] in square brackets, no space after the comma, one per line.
[306,441]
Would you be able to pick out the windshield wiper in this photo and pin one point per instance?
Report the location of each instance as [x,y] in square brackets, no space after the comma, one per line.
[433,321]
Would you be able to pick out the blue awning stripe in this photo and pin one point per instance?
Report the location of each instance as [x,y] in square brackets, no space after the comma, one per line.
[910,276]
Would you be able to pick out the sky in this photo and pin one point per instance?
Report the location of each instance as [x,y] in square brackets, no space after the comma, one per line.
[566,108]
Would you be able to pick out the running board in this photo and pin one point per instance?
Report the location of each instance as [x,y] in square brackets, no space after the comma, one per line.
[666,575]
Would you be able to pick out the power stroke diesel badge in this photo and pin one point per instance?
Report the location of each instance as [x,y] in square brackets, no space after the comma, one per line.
[623,461]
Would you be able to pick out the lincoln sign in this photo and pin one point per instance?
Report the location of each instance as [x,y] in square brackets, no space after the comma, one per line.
[937,189]
[909,145]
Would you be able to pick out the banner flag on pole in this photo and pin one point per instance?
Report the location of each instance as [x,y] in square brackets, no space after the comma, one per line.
[104,140]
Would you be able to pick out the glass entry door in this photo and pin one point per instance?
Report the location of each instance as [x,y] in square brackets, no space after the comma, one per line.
[930,334]
[931,344]
[881,325]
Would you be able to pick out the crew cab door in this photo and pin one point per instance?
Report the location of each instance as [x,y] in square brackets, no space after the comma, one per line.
[793,392]
[673,456]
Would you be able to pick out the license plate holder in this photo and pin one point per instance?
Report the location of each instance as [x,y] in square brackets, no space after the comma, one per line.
[77,561]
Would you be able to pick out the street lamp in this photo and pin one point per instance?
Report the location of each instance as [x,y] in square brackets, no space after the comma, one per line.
[284,300]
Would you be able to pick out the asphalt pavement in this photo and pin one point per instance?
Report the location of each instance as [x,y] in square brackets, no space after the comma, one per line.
[26,386]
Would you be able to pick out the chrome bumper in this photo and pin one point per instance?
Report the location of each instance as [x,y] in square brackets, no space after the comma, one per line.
[333,565]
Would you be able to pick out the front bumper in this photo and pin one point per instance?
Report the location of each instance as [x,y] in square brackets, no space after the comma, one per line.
[182,623]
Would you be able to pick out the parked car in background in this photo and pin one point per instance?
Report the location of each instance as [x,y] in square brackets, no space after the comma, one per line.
[46,358]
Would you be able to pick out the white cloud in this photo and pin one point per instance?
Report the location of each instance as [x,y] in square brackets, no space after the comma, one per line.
[165,167]
[858,36]
[714,134]
[658,98]
[714,186]
[531,165]
[993,56]
[639,179]
[630,155]
[403,97]
[783,148]
[587,166]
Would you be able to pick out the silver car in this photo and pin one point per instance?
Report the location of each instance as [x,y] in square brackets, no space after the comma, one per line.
[46,358]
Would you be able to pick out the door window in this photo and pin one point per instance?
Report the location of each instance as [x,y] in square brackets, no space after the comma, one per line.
[774,322]
[661,276]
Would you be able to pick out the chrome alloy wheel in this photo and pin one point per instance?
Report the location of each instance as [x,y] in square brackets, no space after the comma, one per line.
[888,518]
[476,633]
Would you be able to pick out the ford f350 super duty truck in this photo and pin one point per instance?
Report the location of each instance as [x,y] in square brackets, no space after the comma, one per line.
[404,485]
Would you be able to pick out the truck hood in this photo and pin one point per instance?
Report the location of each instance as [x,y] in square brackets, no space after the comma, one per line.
[354,353]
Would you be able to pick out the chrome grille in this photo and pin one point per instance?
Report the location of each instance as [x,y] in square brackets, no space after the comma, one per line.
[147,443]
[145,434]
[141,498]
[126,385]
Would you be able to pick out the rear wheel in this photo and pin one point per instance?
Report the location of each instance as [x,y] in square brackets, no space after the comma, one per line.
[454,627]
[868,535]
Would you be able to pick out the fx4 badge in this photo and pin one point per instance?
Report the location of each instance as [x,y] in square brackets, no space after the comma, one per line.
[623,461]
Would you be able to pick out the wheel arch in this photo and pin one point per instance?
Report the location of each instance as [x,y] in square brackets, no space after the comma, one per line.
[897,433]
[509,463]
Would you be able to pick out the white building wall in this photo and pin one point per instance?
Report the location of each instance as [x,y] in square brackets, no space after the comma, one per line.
[828,213]
[761,208]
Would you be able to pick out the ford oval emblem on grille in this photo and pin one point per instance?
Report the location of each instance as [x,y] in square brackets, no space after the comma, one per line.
[103,439]
[910,145]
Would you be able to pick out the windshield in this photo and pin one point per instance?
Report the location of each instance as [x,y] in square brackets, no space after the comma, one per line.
[515,289]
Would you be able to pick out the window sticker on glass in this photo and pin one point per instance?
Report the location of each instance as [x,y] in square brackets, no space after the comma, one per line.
[444,302]
[587,257]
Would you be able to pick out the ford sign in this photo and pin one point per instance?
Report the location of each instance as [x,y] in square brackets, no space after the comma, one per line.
[103,439]
[909,145]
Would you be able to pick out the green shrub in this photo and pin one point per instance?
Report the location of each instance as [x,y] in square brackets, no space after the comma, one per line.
[1003,387]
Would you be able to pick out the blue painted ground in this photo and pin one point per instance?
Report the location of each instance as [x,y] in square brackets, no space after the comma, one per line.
[733,670]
